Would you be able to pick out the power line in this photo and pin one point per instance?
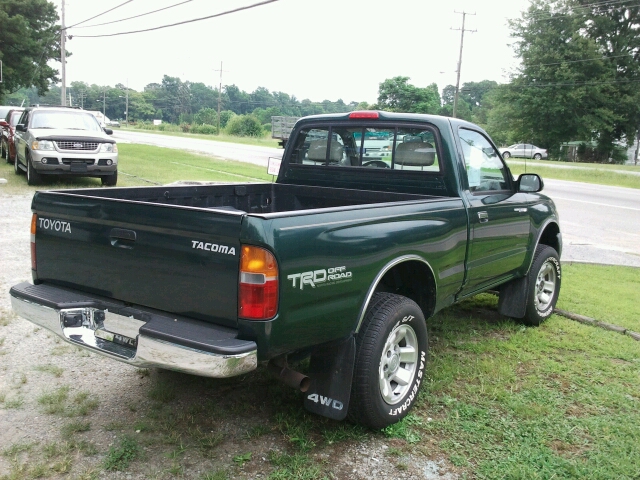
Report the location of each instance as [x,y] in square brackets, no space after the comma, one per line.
[100,14]
[180,23]
[136,16]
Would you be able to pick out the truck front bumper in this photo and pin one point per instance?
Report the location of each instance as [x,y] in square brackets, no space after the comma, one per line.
[135,335]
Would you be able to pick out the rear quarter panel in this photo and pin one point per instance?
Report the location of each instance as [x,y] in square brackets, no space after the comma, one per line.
[353,246]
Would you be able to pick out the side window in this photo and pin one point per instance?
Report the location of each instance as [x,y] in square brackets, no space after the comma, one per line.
[485,170]
[24,119]
[415,149]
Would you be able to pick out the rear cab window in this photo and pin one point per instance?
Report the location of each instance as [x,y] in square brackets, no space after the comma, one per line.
[371,147]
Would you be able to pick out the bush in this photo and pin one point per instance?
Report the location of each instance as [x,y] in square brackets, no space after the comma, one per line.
[185,127]
[206,116]
[204,129]
[244,126]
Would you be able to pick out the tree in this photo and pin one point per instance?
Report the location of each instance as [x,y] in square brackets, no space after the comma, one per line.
[578,77]
[30,38]
[398,95]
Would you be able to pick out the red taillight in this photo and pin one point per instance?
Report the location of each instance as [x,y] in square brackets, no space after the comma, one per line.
[364,114]
[258,292]
[34,222]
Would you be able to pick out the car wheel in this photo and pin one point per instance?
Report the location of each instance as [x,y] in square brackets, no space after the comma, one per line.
[543,285]
[4,150]
[537,156]
[110,180]
[33,177]
[391,353]
[506,155]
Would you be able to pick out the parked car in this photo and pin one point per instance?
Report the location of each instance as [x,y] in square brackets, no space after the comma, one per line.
[8,130]
[4,109]
[523,150]
[67,141]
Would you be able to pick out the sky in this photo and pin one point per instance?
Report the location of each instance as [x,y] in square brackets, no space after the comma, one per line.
[319,50]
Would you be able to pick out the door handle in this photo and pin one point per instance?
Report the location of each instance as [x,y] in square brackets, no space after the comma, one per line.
[122,238]
[483,217]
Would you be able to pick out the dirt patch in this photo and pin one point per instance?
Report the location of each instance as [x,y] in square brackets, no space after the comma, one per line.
[67,413]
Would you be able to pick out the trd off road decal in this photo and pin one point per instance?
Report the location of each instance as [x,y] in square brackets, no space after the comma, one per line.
[54,225]
[320,278]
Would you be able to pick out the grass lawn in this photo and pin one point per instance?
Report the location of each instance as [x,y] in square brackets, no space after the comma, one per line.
[143,165]
[582,172]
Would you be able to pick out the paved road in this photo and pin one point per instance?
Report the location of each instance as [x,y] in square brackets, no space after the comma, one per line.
[600,224]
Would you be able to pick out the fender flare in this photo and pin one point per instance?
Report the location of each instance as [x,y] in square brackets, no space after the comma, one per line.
[381,273]
[541,230]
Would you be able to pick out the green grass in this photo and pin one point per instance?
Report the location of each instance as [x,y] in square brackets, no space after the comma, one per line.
[608,294]
[581,172]
[144,165]
[120,457]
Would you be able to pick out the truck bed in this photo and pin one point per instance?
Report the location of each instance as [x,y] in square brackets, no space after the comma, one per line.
[178,250]
[257,198]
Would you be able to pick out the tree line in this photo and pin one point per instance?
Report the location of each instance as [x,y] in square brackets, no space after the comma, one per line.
[578,80]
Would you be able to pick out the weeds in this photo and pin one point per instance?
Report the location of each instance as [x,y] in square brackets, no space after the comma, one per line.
[120,457]
[52,369]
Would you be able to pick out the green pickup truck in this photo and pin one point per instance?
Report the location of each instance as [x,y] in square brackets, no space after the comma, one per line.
[340,260]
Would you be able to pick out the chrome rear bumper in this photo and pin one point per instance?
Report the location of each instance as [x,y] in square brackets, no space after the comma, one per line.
[118,337]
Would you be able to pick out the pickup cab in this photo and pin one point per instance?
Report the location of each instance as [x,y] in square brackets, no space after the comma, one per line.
[340,260]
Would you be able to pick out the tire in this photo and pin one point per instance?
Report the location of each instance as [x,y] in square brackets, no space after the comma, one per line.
[33,177]
[384,386]
[544,285]
[506,155]
[110,180]
[537,156]
[5,150]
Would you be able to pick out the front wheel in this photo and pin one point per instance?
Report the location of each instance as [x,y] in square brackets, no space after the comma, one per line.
[544,285]
[506,155]
[4,148]
[391,353]
[33,177]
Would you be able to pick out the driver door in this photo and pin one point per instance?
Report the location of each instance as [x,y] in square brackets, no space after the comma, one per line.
[499,219]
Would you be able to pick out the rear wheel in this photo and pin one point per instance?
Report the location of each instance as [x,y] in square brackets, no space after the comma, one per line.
[16,165]
[506,155]
[544,285]
[537,156]
[391,353]
[33,177]
[4,150]
[110,180]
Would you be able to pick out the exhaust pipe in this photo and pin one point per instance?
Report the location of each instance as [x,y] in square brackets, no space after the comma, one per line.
[281,370]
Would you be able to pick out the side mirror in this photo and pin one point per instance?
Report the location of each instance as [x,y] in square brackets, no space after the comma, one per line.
[530,183]
[108,131]
[21,127]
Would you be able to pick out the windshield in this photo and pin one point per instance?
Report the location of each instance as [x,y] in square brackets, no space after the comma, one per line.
[73,120]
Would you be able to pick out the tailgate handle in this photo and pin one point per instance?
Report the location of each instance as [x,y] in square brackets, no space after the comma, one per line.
[122,238]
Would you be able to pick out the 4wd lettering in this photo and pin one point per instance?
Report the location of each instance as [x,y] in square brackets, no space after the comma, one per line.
[326,401]
[322,277]
[213,247]
[57,225]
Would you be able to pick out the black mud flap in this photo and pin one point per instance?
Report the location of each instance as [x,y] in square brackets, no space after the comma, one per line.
[513,298]
[331,374]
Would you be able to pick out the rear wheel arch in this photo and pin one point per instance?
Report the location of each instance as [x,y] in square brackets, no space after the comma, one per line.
[410,276]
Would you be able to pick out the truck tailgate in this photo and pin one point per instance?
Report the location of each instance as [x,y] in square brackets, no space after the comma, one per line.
[160,256]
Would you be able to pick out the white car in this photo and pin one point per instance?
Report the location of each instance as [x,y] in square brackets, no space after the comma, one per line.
[523,150]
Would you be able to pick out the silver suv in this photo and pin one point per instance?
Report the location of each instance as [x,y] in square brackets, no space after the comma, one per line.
[64,141]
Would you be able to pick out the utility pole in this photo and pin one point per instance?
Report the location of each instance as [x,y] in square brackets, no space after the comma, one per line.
[462,30]
[104,104]
[219,96]
[63,59]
